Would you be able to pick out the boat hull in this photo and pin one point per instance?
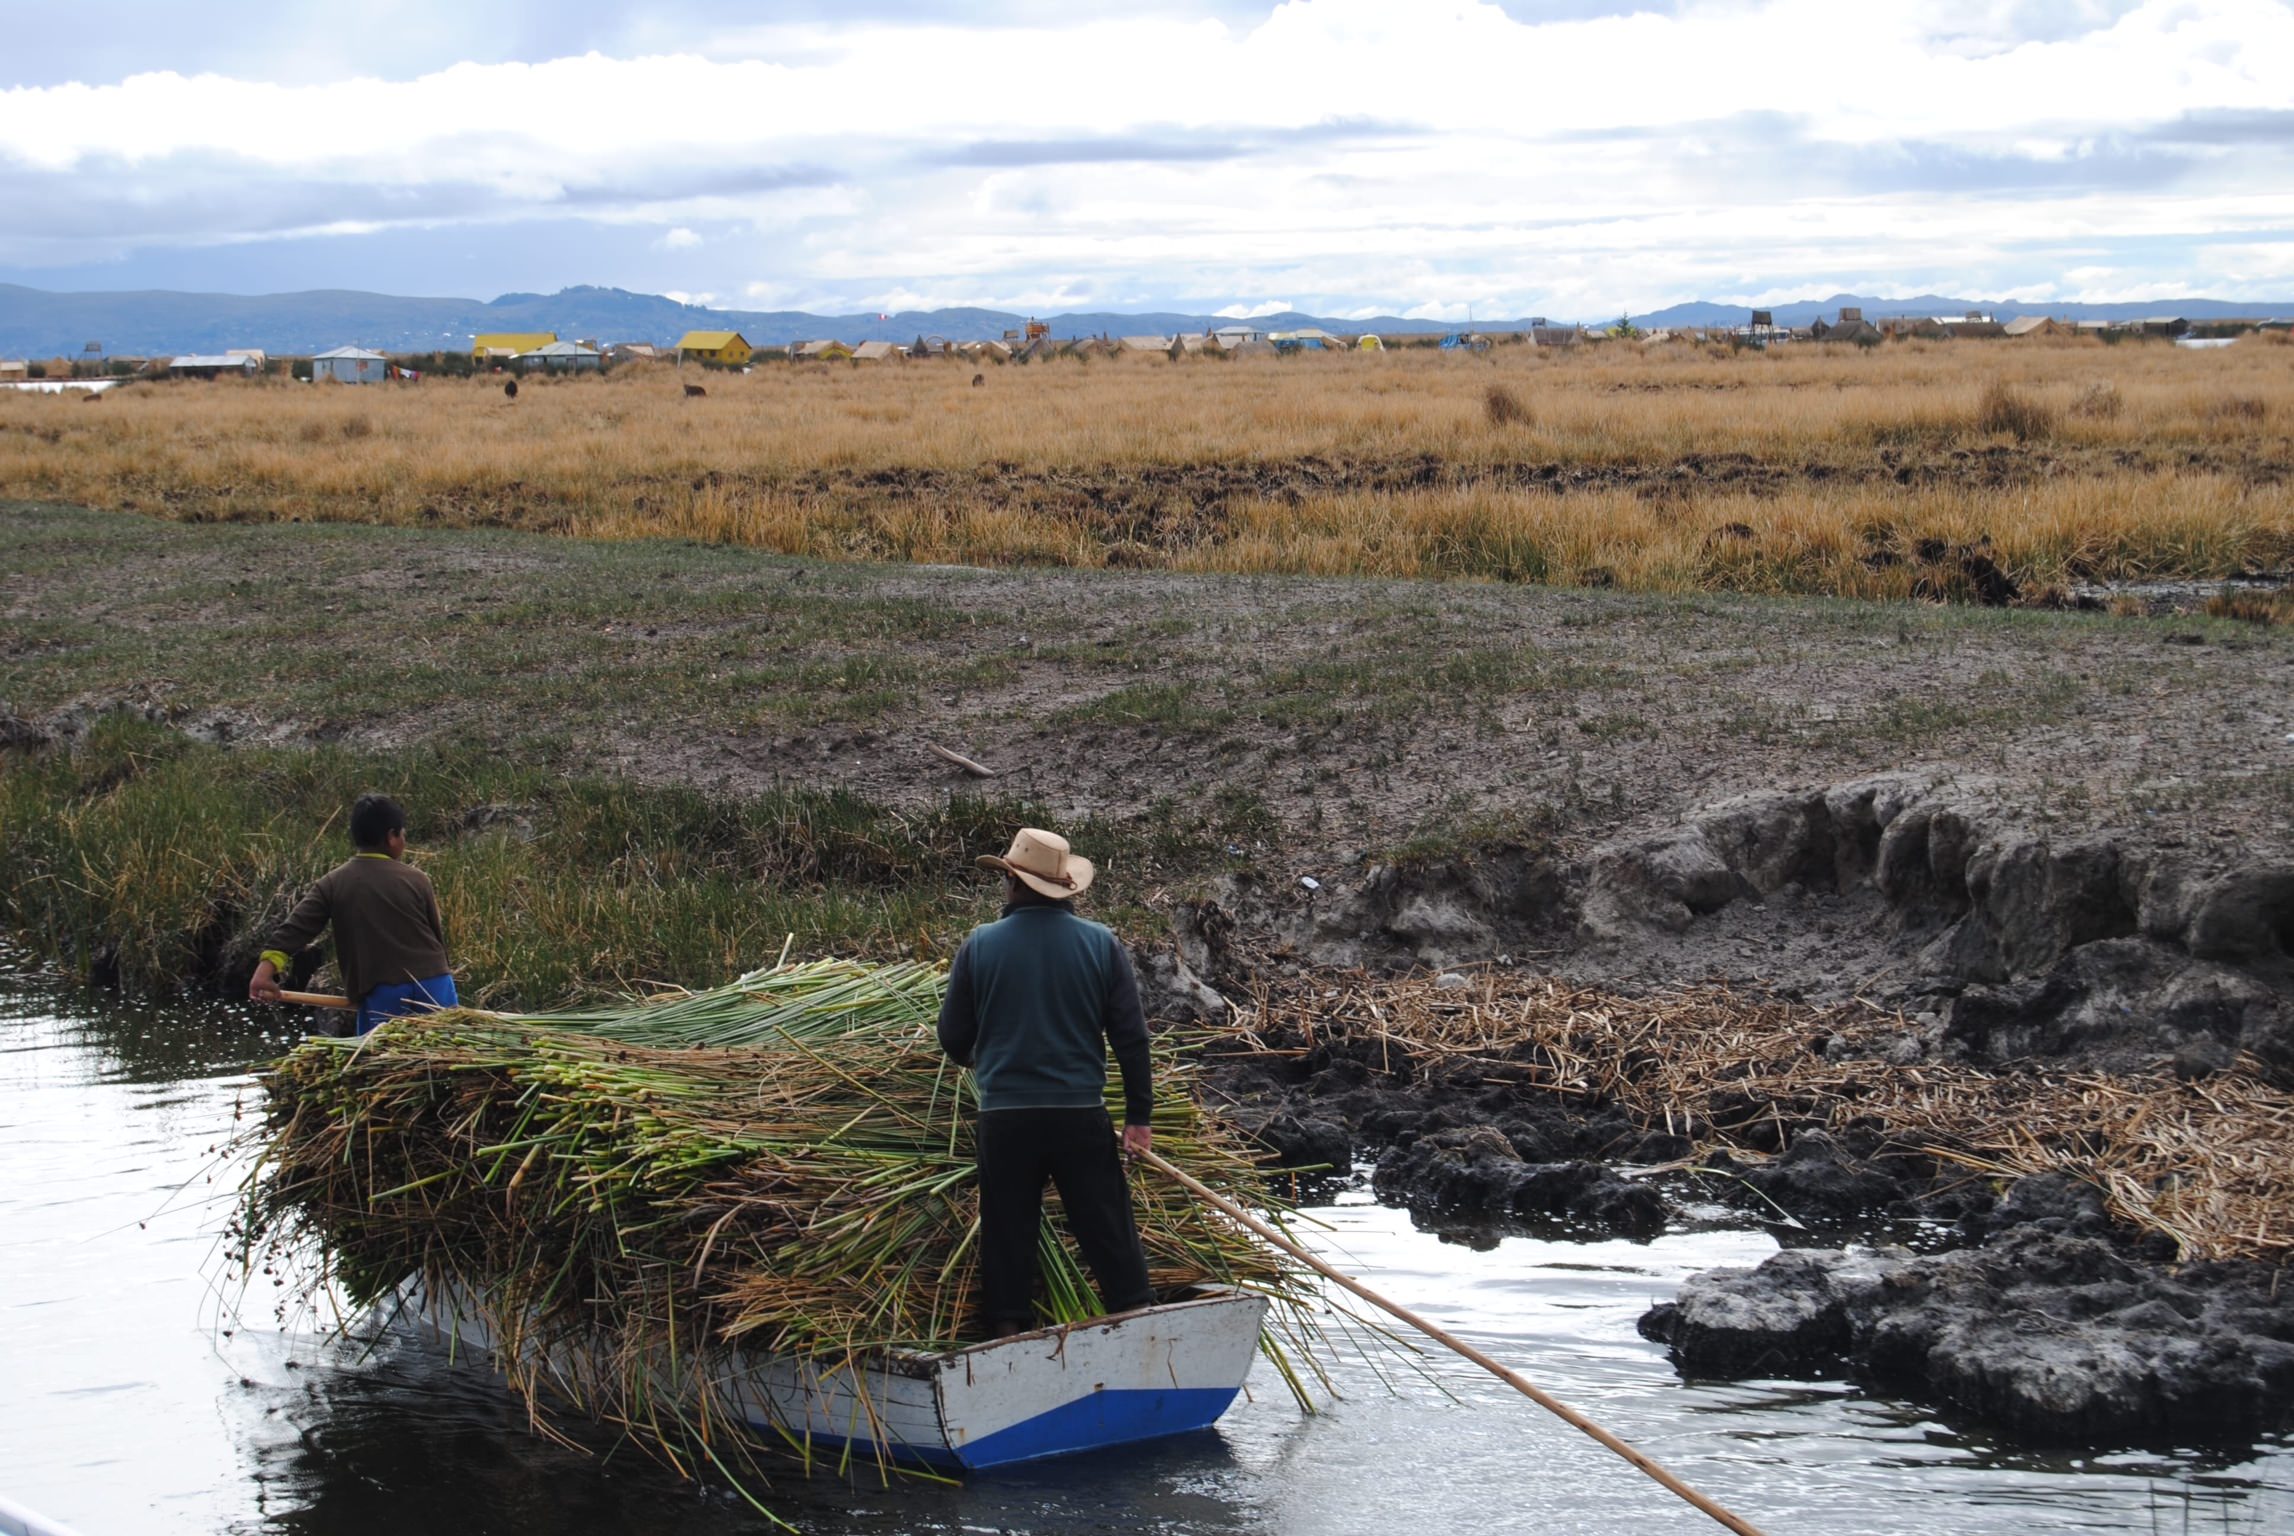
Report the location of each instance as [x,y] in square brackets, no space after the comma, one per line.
[16,1520]
[1143,1375]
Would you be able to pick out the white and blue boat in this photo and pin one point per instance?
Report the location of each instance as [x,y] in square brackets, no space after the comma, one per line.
[1162,1370]
[16,1520]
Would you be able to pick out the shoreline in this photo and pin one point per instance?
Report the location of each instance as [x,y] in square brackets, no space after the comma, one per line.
[1498,1097]
[2021,1241]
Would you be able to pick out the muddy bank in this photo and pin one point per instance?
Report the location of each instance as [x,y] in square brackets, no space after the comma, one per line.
[1533,1131]
[2035,1304]
[1998,939]
[1365,718]
[2053,1330]
[1924,985]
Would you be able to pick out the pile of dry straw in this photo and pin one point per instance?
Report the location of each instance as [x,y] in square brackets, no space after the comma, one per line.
[2203,1162]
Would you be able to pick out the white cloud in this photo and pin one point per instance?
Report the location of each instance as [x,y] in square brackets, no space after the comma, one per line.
[1969,143]
[2258,261]
[1253,311]
[682,297]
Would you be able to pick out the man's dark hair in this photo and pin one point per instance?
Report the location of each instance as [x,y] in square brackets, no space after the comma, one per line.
[373,819]
[1019,893]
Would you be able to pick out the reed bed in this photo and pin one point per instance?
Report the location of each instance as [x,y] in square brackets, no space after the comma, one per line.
[141,856]
[1389,464]
[784,1162]
[2203,1162]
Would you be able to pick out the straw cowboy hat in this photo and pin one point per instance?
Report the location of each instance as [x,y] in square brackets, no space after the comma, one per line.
[1041,861]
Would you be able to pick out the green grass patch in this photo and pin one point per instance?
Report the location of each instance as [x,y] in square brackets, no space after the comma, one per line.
[1171,709]
[1456,832]
[148,858]
[1997,701]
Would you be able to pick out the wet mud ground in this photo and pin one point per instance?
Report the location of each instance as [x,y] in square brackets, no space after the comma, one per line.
[1364,716]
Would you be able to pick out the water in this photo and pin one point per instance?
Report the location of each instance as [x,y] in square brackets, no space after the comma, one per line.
[133,1404]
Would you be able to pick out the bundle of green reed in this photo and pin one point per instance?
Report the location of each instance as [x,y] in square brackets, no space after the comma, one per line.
[782,1003]
[785,1163]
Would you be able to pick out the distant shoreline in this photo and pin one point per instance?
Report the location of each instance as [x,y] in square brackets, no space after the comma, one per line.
[40,322]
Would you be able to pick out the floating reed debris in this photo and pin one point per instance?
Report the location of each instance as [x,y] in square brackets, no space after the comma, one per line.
[2201,1162]
[785,1162]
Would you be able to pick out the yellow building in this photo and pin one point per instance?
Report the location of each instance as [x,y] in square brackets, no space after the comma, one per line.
[725,347]
[507,344]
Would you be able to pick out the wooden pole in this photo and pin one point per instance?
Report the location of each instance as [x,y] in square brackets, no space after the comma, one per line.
[319,1000]
[976,770]
[1510,1377]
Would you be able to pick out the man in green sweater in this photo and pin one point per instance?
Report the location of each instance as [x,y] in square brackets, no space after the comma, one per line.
[390,942]
[1034,1001]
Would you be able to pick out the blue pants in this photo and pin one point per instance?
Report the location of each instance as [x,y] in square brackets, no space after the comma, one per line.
[405,997]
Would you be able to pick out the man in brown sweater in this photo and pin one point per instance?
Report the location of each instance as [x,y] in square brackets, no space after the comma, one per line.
[390,942]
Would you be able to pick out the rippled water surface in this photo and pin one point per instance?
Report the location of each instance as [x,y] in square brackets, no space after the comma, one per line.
[132,1402]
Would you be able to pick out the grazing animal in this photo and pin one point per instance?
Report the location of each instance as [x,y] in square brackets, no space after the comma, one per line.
[978,379]
[511,389]
[695,392]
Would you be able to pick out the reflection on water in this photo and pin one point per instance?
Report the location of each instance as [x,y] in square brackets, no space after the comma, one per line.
[133,1404]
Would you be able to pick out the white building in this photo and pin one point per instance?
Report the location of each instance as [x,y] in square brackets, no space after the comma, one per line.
[350,365]
[562,357]
[215,365]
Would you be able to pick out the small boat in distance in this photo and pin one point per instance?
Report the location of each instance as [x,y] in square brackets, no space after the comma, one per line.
[1162,1370]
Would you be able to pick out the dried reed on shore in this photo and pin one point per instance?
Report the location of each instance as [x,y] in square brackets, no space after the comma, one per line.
[1613,466]
[2200,1162]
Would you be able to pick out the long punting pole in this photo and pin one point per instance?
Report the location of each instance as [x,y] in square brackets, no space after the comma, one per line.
[318,1000]
[1506,1374]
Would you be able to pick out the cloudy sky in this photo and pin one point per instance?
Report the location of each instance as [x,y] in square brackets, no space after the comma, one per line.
[1575,158]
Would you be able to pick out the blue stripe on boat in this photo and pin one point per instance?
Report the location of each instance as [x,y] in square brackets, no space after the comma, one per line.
[1114,1417]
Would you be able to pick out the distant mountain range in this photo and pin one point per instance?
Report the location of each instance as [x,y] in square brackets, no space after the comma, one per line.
[34,323]
[1802,311]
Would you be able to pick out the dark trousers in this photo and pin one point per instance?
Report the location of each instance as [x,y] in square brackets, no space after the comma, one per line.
[1077,1150]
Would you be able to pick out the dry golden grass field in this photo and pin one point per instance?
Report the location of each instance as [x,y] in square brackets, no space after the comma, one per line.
[1911,469]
